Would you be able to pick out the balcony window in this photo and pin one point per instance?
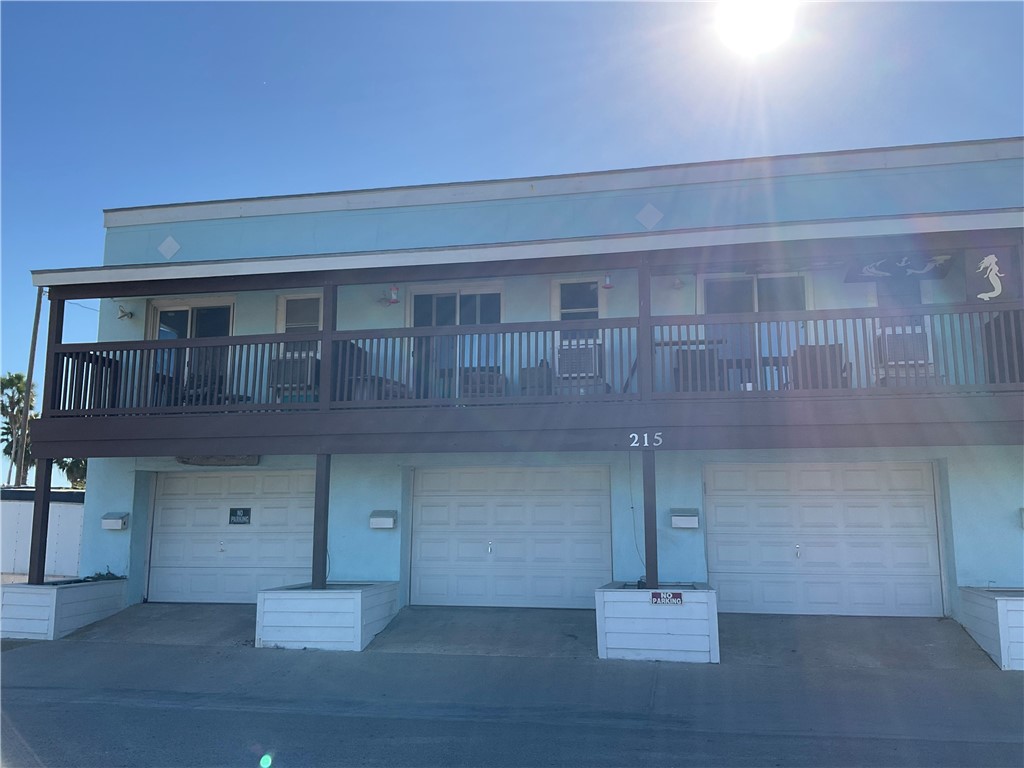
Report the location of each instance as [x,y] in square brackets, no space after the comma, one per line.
[737,295]
[299,314]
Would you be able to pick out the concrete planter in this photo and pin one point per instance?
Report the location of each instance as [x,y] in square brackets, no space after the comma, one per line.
[995,619]
[51,611]
[343,617]
[679,626]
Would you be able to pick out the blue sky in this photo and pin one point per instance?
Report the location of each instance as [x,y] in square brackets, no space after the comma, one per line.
[107,105]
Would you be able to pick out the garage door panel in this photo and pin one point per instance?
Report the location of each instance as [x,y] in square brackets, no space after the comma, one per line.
[467,514]
[432,514]
[815,479]
[913,516]
[172,517]
[774,515]
[766,479]
[470,550]
[588,552]
[513,515]
[866,535]
[541,541]
[726,515]
[824,516]
[432,549]
[199,556]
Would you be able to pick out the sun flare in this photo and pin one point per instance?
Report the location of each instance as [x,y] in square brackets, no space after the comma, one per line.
[751,27]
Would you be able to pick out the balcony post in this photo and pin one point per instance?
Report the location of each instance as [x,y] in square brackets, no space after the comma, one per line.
[321,499]
[330,324]
[44,467]
[40,522]
[54,336]
[644,334]
[650,520]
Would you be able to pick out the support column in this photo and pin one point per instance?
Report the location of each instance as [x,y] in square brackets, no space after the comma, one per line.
[322,492]
[650,521]
[40,523]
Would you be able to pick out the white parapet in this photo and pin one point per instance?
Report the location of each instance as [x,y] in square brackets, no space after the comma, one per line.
[994,617]
[343,617]
[51,611]
[677,622]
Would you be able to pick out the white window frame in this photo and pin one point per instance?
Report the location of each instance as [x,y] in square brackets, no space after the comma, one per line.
[556,295]
[156,306]
[458,289]
[282,301]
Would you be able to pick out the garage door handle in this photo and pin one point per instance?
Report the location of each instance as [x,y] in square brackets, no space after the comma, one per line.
[798,551]
[222,546]
[489,547]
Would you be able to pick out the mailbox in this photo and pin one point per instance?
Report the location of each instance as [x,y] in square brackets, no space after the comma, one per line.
[115,521]
[383,518]
[684,518]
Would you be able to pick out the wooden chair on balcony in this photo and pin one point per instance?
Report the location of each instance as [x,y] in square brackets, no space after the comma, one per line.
[819,366]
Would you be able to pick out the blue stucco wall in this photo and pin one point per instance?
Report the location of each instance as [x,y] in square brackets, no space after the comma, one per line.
[992,184]
[980,491]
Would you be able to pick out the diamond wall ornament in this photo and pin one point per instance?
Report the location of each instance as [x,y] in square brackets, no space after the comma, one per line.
[169,247]
[649,216]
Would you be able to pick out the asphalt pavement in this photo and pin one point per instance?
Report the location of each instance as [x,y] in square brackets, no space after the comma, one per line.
[104,703]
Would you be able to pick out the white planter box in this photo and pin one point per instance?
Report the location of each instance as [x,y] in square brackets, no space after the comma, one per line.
[51,611]
[343,617]
[631,626]
[995,619]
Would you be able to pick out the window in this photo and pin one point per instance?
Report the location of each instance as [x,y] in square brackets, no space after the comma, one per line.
[299,314]
[201,322]
[780,294]
[578,301]
[440,309]
[736,295]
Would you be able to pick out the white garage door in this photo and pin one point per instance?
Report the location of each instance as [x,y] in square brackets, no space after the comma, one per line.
[517,537]
[840,539]
[220,537]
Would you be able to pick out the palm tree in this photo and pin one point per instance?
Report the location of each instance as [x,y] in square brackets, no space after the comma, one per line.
[74,470]
[13,404]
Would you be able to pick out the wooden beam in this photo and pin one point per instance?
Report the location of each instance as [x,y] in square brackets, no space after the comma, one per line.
[644,334]
[329,313]
[40,523]
[321,504]
[650,520]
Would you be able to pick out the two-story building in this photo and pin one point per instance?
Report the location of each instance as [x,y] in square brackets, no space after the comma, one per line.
[797,378]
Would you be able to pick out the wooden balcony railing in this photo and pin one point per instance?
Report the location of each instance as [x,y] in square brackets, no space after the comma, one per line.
[862,350]
[794,354]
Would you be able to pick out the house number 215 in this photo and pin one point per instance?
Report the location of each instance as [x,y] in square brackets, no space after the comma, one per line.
[644,440]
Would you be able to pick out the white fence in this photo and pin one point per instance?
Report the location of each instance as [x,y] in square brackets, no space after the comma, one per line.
[64,535]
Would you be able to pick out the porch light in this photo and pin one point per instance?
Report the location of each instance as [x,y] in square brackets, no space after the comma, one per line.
[607,284]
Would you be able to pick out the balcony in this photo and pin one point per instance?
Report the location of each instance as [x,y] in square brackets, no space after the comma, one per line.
[845,378]
[855,353]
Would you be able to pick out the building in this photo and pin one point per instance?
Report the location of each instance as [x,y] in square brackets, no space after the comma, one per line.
[796,378]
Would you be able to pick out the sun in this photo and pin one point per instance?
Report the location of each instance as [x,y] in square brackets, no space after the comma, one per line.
[751,27]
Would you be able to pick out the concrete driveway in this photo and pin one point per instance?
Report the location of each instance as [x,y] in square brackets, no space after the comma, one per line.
[102,704]
[745,639]
[213,625]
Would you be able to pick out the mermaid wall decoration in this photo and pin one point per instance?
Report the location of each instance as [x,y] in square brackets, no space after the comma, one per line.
[990,267]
